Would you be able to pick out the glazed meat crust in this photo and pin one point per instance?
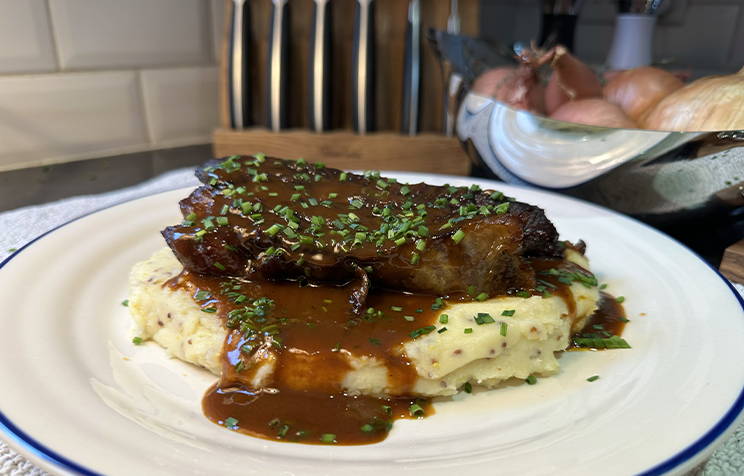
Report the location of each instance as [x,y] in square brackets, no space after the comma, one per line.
[267,218]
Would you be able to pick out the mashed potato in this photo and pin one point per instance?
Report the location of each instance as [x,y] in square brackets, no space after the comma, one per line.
[517,344]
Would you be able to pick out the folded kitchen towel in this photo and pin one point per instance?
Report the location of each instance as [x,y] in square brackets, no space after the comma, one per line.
[22,225]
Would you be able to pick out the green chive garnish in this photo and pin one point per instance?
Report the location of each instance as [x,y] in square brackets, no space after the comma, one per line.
[367,428]
[328,438]
[620,299]
[416,410]
[125,303]
[137,340]
[502,331]
[468,330]
[231,422]
[458,236]
[531,380]
[443,319]
[593,378]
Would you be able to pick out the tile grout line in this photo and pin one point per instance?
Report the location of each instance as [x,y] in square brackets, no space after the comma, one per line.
[143,102]
[53,36]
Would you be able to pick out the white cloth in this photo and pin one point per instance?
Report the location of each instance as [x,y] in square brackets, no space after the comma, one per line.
[21,225]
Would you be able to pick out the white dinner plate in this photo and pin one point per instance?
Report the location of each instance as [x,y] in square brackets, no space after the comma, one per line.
[78,396]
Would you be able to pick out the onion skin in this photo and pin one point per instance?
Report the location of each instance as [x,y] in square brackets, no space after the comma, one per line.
[518,87]
[715,103]
[638,90]
[594,112]
[571,80]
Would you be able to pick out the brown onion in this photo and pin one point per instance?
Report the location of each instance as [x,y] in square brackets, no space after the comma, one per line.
[571,80]
[715,103]
[637,90]
[518,87]
[594,112]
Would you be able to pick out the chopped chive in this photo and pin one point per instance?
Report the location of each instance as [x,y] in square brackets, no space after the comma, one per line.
[442,330]
[523,294]
[137,340]
[421,331]
[416,410]
[468,330]
[209,310]
[367,428]
[400,241]
[409,318]
[125,303]
[620,299]
[343,176]
[421,245]
[222,221]
[481,297]
[294,197]
[438,304]
[415,258]
[603,286]
[531,380]
[467,387]
[396,308]
[219,266]
[458,236]
[274,229]
[614,342]
[483,318]
[593,378]
[508,312]
[374,341]
[443,319]
[332,195]
[502,331]
[283,430]
[328,438]
[387,409]
[231,422]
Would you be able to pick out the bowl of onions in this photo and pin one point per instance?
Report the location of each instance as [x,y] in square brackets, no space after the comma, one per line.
[640,141]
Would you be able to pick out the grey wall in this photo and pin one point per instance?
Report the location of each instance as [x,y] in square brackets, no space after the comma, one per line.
[706,36]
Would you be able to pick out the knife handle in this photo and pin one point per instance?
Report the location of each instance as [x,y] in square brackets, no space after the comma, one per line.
[238,65]
[277,66]
[412,70]
[319,110]
[363,73]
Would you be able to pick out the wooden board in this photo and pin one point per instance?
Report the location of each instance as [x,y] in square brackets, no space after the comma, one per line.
[732,265]
[346,150]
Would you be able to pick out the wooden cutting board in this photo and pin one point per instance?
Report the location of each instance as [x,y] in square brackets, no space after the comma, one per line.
[430,153]
[732,265]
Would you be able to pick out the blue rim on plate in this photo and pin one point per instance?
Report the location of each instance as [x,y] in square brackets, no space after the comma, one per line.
[37,449]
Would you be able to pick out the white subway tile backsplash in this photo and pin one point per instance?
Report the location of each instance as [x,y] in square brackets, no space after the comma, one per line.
[51,117]
[115,33]
[25,38]
[180,103]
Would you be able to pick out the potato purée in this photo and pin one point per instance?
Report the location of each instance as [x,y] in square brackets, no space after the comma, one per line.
[517,339]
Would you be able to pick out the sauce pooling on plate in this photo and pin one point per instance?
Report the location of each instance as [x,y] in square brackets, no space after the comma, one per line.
[305,333]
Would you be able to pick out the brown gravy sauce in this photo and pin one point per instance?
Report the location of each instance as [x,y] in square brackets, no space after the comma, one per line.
[307,333]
